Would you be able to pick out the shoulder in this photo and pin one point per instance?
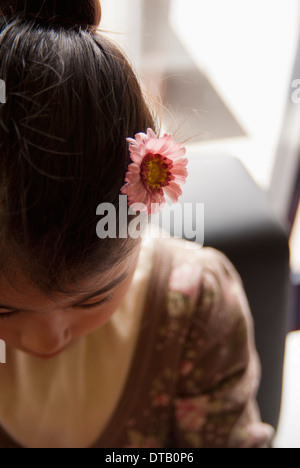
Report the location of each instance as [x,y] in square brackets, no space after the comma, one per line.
[213,283]
[206,277]
[205,286]
[208,259]
[218,371]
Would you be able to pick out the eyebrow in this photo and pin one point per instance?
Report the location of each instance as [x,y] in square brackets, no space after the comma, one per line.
[104,290]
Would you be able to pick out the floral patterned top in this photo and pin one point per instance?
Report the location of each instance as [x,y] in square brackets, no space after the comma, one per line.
[195,372]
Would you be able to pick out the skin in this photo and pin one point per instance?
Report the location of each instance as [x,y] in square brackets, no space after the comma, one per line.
[45,327]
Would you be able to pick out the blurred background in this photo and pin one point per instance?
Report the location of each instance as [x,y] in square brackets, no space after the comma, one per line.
[225,73]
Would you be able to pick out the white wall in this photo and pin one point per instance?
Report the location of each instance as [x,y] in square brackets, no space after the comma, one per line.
[122,18]
[247,49]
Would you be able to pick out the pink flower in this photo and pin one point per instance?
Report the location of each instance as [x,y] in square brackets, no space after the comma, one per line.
[186,368]
[158,168]
[161,400]
[192,413]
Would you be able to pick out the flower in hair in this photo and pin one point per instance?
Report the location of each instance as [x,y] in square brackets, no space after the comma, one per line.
[158,169]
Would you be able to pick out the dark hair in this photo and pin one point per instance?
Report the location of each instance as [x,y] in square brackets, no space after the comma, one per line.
[72,100]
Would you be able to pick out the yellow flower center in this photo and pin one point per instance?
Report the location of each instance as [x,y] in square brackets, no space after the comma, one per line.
[155,171]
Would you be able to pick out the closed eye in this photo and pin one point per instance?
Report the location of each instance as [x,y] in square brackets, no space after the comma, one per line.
[9,314]
[4,315]
[94,304]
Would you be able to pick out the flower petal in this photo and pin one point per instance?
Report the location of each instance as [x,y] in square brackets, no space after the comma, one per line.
[171,194]
[151,133]
[124,189]
[134,168]
[131,141]
[132,177]
[140,197]
[176,154]
[166,146]
[176,188]
[137,157]
[179,171]
[135,189]
[183,162]
[180,174]
[141,138]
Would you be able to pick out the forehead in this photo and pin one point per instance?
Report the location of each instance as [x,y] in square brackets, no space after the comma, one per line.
[27,296]
[22,293]
[18,291]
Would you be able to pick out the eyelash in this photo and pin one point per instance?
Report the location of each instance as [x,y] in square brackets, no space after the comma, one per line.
[9,314]
[95,304]
[6,315]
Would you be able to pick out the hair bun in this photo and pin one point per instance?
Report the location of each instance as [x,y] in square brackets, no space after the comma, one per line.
[68,12]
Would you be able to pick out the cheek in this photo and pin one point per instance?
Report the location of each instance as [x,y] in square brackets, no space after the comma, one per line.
[104,313]
[10,330]
[4,333]
[86,322]
[90,320]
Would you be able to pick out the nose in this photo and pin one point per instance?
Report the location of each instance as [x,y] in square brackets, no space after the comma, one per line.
[46,336]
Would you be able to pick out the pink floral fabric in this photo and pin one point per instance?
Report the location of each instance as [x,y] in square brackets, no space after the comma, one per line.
[209,401]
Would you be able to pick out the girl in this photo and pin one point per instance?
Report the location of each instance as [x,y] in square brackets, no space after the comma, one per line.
[113,342]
